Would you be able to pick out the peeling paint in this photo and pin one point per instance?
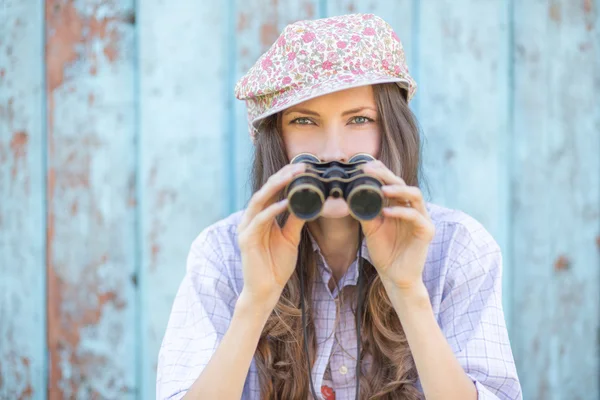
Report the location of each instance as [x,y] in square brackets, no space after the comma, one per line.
[309,9]
[89,223]
[555,12]
[242,22]
[73,37]
[562,263]
[268,33]
[18,146]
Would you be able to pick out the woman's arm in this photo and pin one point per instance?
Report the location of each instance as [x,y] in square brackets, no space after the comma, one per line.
[225,374]
[441,375]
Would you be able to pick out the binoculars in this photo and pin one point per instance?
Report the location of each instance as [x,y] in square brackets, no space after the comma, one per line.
[308,191]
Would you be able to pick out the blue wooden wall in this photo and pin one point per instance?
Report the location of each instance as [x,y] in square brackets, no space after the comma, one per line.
[120,140]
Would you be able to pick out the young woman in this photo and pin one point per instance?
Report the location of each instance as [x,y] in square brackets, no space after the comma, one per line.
[268,297]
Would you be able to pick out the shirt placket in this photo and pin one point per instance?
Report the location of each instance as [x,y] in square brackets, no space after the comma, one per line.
[343,366]
[324,324]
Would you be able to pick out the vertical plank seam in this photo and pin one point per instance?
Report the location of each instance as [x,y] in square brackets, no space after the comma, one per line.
[322,8]
[139,283]
[44,196]
[414,52]
[230,150]
[511,163]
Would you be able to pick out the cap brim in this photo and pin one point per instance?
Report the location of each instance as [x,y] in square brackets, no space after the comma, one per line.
[310,92]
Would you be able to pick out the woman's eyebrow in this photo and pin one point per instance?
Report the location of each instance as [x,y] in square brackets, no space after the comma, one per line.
[358,109]
[316,114]
[301,110]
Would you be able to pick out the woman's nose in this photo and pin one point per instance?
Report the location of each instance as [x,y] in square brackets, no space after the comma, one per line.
[332,149]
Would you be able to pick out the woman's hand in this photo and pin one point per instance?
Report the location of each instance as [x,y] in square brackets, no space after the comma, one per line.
[398,240]
[269,252]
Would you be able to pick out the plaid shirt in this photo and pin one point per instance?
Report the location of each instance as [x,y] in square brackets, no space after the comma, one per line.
[462,273]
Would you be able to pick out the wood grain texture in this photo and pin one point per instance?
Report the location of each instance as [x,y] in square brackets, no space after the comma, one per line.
[463,109]
[183,162]
[22,275]
[258,23]
[91,199]
[557,198]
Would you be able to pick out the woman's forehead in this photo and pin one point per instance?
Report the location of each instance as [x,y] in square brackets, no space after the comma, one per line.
[362,96]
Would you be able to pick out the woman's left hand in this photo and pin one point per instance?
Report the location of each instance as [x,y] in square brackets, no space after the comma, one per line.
[398,240]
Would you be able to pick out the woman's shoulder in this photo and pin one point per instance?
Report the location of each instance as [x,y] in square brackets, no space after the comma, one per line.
[461,231]
[220,236]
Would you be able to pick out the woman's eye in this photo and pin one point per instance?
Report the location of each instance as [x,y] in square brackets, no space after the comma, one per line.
[361,120]
[301,121]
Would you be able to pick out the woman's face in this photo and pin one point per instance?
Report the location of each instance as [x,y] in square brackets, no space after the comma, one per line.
[333,127]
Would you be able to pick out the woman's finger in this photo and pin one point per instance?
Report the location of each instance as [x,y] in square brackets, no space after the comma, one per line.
[402,194]
[292,229]
[418,220]
[268,191]
[266,217]
[379,170]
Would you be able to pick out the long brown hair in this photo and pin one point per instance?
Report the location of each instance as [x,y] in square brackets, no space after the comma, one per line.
[280,355]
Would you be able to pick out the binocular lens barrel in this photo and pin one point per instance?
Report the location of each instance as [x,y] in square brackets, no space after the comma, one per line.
[365,202]
[306,197]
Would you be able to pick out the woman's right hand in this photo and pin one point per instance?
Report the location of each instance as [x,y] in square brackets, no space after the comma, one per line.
[269,252]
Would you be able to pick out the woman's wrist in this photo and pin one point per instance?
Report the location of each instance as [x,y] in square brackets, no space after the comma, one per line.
[414,296]
[248,305]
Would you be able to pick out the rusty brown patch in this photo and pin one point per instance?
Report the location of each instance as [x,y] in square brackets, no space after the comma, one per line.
[598,241]
[555,12]
[18,146]
[309,9]
[111,52]
[268,34]
[242,23]
[588,6]
[70,37]
[562,263]
[155,252]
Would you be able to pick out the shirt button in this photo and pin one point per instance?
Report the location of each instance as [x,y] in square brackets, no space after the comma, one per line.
[343,370]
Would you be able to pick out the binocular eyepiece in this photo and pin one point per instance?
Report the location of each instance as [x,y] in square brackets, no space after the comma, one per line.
[308,191]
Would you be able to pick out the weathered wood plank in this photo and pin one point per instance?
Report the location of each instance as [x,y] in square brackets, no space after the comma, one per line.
[463,109]
[91,199]
[22,193]
[258,23]
[184,112]
[557,198]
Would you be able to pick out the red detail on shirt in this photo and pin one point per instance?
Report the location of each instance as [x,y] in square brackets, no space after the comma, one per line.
[327,392]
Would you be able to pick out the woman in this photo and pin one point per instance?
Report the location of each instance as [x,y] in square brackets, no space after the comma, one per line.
[267,294]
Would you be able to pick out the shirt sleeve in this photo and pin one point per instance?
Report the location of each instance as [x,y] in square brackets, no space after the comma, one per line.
[472,318]
[199,318]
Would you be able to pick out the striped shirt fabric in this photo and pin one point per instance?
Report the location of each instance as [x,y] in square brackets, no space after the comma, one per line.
[462,273]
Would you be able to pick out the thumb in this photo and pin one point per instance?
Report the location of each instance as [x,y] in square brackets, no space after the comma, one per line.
[369,227]
[292,229]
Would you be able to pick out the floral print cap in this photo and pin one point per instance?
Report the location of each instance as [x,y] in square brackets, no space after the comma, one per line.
[316,57]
